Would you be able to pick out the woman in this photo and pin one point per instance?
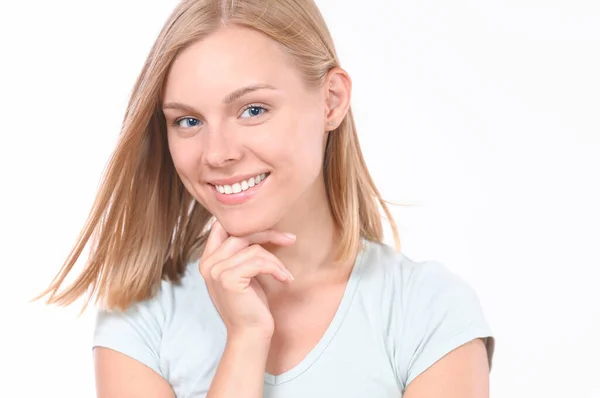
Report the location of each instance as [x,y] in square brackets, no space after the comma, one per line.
[237,248]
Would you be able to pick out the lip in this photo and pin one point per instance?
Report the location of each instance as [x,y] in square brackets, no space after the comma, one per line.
[240,197]
[238,178]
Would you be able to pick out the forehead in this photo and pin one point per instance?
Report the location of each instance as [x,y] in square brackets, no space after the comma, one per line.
[228,59]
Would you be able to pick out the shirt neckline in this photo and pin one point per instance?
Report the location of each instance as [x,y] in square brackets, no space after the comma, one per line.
[336,322]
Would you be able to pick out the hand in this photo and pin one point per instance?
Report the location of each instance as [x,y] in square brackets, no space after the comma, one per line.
[229,265]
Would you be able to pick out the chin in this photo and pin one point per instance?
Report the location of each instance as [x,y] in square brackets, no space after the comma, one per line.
[244,225]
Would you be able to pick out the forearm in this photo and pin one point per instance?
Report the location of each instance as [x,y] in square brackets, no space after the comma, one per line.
[240,373]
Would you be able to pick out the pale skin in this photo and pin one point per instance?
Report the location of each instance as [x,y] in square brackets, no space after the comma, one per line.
[268,261]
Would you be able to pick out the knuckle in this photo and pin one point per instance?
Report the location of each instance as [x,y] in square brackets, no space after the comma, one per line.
[259,263]
[231,239]
[203,274]
[256,249]
[227,279]
[236,239]
[213,273]
[202,269]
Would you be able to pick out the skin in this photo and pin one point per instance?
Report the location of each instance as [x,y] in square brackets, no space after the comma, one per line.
[286,229]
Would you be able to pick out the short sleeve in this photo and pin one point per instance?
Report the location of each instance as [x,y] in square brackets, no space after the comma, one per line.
[135,332]
[441,312]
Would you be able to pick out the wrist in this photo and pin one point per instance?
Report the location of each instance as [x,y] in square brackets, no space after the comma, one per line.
[248,350]
[260,333]
[255,339]
[241,369]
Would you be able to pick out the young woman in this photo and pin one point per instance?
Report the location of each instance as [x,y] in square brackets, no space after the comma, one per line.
[237,246]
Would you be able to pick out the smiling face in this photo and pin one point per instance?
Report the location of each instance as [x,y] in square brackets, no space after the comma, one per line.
[246,134]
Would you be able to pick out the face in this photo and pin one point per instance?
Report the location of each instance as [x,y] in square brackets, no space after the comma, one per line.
[245,133]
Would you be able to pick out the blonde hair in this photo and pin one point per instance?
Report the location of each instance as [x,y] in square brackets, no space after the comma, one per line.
[144,226]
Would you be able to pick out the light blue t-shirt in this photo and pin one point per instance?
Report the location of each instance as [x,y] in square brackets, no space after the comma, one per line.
[397,317]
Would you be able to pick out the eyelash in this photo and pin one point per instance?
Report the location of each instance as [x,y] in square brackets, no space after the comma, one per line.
[260,106]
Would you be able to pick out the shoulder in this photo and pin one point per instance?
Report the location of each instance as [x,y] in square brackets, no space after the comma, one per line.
[160,305]
[138,331]
[409,281]
[429,309]
[416,289]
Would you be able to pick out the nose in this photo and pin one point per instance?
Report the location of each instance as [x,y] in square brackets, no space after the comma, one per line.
[220,148]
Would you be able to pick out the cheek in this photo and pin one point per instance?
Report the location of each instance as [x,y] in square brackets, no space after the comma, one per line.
[185,159]
[306,146]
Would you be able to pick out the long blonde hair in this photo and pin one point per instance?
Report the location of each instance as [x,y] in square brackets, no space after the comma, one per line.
[144,226]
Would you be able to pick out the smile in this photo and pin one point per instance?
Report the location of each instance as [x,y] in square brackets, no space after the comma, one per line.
[241,186]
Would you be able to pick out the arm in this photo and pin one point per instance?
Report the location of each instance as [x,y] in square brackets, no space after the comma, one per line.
[126,350]
[241,370]
[120,376]
[240,373]
[462,373]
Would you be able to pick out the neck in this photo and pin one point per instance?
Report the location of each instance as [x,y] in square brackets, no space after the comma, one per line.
[316,236]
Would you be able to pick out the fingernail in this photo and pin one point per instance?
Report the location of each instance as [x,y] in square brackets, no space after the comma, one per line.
[290,235]
[290,274]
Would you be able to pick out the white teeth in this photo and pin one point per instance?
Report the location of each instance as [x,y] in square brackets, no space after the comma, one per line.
[241,186]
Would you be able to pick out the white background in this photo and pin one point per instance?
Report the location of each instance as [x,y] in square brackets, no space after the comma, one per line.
[485,116]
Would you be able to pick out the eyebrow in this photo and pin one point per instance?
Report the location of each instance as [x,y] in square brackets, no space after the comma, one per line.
[231,97]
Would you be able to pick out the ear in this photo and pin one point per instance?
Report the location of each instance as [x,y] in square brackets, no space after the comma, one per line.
[337,90]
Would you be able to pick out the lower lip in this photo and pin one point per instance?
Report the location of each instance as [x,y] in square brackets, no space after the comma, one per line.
[240,197]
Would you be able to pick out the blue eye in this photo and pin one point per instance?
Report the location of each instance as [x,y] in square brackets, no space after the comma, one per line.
[254,111]
[187,122]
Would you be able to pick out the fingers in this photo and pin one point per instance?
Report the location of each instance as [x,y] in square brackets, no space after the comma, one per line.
[238,278]
[234,244]
[221,246]
[247,255]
